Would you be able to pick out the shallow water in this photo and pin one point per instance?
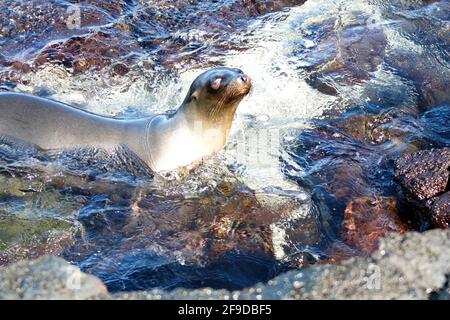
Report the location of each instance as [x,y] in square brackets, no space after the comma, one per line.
[340,90]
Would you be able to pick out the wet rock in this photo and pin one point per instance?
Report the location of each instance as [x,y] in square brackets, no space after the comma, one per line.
[439,208]
[423,59]
[424,179]
[341,56]
[94,51]
[22,238]
[409,266]
[31,23]
[366,219]
[255,8]
[120,69]
[364,127]
[195,239]
[430,79]
[338,167]
[171,33]
[435,125]
[48,278]
[392,125]
[223,228]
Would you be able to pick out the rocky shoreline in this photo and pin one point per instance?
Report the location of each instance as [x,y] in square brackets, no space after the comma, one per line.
[409,266]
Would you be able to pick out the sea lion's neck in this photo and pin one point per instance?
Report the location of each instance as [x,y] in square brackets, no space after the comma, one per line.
[179,139]
[208,124]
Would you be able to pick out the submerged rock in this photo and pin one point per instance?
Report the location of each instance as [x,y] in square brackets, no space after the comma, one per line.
[342,53]
[366,219]
[430,79]
[424,180]
[423,58]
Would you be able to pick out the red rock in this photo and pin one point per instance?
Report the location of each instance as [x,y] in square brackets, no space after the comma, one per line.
[366,219]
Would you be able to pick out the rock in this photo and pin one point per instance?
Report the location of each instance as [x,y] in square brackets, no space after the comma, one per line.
[409,266]
[435,125]
[440,209]
[427,66]
[424,179]
[48,278]
[343,56]
[379,128]
[93,51]
[366,219]
[430,79]
[92,36]
[228,236]
[424,174]
[364,127]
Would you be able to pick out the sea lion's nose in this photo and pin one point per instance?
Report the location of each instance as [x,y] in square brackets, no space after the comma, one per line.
[245,79]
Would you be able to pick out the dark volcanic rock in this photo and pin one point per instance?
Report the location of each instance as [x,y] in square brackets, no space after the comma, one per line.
[440,209]
[366,219]
[424,179]
[424,174]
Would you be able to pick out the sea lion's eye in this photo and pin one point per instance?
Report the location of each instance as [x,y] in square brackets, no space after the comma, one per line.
[215,84]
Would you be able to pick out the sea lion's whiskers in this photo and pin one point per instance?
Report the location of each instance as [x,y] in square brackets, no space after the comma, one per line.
[216,108]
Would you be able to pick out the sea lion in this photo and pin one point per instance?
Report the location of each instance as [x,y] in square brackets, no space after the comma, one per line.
[197,129]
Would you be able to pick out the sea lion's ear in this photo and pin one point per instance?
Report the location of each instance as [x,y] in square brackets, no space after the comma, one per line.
[215,84]
[194,96]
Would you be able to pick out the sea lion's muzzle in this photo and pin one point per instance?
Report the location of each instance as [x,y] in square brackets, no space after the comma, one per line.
[246,82]
[240,86]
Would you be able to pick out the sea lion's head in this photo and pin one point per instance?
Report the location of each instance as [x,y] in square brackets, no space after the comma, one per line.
[215,94]
[200,126]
